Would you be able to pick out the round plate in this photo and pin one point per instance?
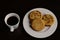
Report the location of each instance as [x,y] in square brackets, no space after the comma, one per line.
[46,32]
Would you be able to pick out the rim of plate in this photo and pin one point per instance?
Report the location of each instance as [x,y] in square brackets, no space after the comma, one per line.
[36,34]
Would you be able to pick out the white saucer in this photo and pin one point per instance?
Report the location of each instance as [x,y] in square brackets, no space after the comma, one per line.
[45,32]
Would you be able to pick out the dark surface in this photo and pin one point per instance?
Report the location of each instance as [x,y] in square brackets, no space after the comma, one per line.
[21,8]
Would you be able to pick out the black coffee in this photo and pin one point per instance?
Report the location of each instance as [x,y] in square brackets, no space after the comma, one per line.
[12,20]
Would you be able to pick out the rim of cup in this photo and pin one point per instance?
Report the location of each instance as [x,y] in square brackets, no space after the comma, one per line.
[10,15]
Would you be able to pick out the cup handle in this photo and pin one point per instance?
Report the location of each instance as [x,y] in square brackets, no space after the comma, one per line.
[11,29]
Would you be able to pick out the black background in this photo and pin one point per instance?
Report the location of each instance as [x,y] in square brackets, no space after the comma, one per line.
[21,8]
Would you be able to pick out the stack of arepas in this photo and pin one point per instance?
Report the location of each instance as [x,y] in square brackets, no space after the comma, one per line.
[39,21]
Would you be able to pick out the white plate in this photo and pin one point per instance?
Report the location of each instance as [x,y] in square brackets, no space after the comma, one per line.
[46,32]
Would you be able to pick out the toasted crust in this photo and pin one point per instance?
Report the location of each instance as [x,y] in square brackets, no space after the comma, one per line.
[38,24]
[35,14]
[49,20]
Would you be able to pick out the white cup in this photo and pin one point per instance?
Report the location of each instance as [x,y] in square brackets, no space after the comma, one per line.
[12,27]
